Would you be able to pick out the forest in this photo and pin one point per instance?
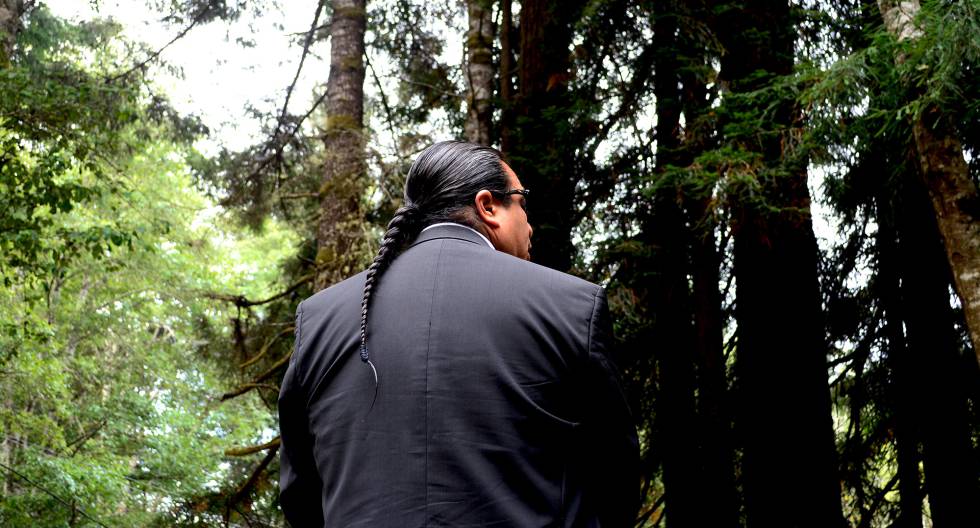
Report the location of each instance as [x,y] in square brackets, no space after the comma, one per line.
[779,197]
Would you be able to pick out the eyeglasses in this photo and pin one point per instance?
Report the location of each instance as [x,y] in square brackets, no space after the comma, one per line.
[522,192]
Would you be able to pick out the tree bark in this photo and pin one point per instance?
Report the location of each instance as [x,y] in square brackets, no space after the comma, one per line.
[543,149]
[665,233]
[714,413]
[479,71]
[903,379]
[789,467]
[954,196]
[340,233]
[11,12]
[506,76]
[940,379]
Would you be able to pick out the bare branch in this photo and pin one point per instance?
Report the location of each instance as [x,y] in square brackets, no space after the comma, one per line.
[244,490]
[641,520]
[80,441]
[242,302]
[299,68]
[247,387]
[245,451]
[257,382]
[153,56]
[384,103]
[265,347]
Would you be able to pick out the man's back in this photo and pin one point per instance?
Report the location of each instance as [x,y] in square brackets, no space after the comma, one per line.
[495,403]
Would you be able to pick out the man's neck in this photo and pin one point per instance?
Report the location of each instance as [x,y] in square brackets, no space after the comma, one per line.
[484,237]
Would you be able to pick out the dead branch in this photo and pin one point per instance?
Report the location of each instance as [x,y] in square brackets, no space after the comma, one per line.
[265,347]
[299,68]
[245,451]
[643,517]
[384,104]
[80,441]
[243,302]
[280,138]
[153,56]
[246,388]
[257,382]
[244,490]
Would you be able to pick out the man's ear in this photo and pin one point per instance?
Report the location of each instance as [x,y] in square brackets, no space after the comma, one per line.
[487,208]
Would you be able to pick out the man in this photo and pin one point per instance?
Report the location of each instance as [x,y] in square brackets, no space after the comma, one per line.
[481,393]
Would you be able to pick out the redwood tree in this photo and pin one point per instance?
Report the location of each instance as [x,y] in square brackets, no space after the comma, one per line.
[938,389]
[544,147]
[789,465]
[664,231]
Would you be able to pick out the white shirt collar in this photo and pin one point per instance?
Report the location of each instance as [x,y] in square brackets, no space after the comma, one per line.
[460,225]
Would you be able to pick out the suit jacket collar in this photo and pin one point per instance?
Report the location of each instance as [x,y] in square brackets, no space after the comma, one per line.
[455,231]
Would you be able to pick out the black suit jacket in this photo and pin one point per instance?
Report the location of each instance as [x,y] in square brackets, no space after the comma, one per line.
[497,404]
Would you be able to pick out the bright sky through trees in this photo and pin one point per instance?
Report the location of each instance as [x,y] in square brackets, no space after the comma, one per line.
[219,78]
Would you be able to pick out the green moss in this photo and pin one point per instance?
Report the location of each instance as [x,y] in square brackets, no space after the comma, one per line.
[350,12]
[343,122]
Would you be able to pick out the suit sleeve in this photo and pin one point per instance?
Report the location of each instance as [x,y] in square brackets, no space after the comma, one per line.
[610,430]
[299,481]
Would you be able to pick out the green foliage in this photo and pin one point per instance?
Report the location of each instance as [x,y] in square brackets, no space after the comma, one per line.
[112,354]
[116,409]
[61,124]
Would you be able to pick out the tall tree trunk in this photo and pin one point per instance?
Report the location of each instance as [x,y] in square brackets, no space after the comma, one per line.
[903,379]
[506,76]
[714,416]
[340,233]
[955,199]
[949,462]
[11,12]
[543,150]
[666,234]
[479,71]
[789,466]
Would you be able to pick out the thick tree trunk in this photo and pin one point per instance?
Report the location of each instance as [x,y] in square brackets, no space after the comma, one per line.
[903,379]
[666,234]
[955,199]
[340,233]
[543,148]
[940,381]
[789,468]
[479,71]
[714,414]
[10,25]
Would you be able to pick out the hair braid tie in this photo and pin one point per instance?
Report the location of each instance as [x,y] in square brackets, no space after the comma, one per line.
[402,225]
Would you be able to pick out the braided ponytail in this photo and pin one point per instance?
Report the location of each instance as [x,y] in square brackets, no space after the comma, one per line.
[402,228]
[443,181]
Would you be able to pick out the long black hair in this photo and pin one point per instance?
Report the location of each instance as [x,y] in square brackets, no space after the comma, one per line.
[440,187]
